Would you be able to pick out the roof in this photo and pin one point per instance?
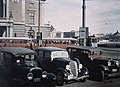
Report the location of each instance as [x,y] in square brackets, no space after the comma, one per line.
[116,33]
[18,50]
[60,39]
[15,38]
[50,49]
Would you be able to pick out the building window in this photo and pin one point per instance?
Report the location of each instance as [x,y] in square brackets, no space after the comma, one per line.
[31,17]
[31,5]
[16,1]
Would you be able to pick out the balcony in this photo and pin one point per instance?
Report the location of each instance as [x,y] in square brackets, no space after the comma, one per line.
[5,21]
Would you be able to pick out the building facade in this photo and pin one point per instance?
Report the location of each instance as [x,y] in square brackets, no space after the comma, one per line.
[17,17]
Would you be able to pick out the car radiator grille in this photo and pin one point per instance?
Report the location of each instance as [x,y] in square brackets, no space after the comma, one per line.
[37,73]
[73,66]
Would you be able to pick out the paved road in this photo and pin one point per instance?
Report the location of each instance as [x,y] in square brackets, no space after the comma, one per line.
[88,83]
[107,83]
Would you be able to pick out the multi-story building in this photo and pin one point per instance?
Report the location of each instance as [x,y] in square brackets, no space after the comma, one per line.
[17,17]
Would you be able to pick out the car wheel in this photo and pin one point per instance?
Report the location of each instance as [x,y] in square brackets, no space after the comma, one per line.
[50,84]
[83,80]
[100,76]
[59,80]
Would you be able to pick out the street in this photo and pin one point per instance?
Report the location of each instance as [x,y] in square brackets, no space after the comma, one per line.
[106,83]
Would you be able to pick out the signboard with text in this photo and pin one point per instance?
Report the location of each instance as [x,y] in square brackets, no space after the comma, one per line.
[84,32]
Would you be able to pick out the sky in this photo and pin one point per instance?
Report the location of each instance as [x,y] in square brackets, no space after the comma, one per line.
[102,16]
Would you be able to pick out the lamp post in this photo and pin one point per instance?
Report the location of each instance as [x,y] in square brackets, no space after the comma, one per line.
[83,14]
[39,33]
[83,31]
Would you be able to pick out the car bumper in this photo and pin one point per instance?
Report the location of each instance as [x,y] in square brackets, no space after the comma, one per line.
[20,82]
[71,78]
[117,74]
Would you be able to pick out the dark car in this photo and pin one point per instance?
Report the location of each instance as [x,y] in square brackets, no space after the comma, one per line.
[99,66]
[19,67]
[56,60]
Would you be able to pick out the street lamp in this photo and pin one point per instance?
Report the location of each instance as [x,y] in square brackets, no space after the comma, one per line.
[83,31]
[83,14]
[39,34]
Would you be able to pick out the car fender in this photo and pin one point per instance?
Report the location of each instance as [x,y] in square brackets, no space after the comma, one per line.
[84,71]
[51,76]
[103,68]
[65,73]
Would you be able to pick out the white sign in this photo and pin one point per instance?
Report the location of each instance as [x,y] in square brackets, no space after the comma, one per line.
[83,32]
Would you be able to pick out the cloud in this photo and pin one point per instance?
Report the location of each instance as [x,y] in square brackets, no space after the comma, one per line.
[101,15]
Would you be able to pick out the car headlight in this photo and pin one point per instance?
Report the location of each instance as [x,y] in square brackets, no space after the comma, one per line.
[68,67]
[117,63]
[30,76]
[86,72]
[44,74]
[80,66]
[109,63]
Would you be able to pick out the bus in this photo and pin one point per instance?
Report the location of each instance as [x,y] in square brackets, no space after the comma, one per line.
[15,41]
[59,42]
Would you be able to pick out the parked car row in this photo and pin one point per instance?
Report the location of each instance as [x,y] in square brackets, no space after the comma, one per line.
[51,66]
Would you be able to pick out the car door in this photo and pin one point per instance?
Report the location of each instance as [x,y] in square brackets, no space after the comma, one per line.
[48,62]
[7,63]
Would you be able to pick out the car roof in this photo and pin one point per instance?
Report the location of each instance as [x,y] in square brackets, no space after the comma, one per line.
[50,49]
[18,50]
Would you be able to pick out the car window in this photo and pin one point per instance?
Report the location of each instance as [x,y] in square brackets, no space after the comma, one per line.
[58,54]
[40,53]
[7,57]
[25,57]
[1,56]
[28,60]
[47,54]
[69,50]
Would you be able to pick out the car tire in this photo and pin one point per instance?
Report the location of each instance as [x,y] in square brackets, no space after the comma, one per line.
[83,80]
[100,76]
[49,84]
[59,80]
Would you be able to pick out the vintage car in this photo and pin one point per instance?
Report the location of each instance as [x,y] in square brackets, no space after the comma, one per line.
[19,67]
[56,60]
[99,66]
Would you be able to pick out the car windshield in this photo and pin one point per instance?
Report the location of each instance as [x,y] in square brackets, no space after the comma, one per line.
[58,54]
[27,60]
